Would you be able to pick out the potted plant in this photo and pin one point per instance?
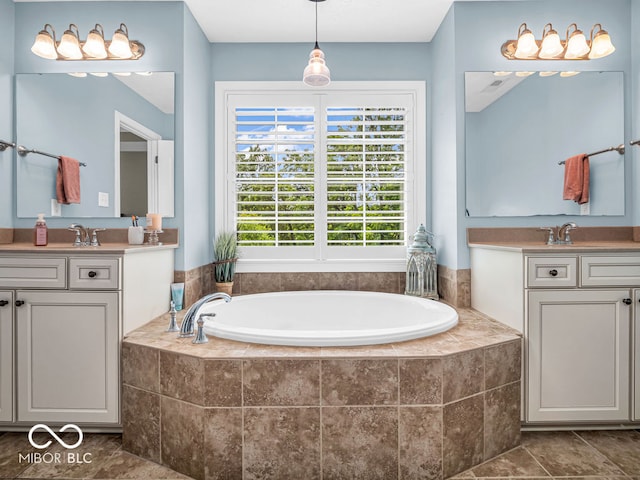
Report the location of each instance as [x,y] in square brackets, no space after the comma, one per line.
[225,255]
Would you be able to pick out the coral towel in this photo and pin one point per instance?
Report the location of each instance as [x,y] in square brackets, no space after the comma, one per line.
[576,179]
[68,181]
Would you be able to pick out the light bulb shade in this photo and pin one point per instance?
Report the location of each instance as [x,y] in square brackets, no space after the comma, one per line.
[316,73]
[69,46]
[526,46]
[551,46]
[576,44]
[601,45]
[45,44]
[120,46]
[94,46]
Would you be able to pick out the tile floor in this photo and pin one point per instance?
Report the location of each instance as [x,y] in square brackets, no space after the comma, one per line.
[588,455]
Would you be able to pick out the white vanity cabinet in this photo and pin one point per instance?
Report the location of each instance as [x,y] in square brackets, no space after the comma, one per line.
[636,354]
[578,356]
[576,310]
[67,356]
[6,356]
[62,327]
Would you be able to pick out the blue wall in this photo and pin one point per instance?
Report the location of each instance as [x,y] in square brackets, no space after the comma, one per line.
[481,27]
[6,112]
[468,40]
[635,108]
[173,43]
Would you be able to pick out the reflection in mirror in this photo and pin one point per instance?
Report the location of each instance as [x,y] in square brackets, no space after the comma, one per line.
[517,130]
[80,117]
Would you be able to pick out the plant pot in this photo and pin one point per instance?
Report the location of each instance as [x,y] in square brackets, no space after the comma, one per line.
[224,287]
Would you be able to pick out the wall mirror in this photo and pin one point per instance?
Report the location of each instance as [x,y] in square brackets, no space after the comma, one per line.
[518,129]
[121,126]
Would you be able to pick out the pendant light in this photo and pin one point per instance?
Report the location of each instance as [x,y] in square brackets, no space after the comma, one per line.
[316,73]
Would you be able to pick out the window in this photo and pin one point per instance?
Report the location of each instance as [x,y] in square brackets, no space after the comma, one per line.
[329,179]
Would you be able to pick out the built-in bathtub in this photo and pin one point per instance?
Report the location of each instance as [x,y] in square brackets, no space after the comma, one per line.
[325,318]
[418,409]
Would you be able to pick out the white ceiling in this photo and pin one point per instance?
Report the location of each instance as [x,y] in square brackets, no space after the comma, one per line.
[338,20]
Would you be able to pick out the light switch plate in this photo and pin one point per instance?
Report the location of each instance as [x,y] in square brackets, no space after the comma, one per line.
[585,209]
[56,209]
[103,199]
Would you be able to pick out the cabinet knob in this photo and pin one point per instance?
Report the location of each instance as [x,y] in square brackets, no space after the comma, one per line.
[92,274]
[553,272]
[3,303]
[19,303]
[627,301]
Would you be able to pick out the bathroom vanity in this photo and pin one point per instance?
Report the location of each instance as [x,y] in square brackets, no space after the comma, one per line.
[578,308]
[63,314]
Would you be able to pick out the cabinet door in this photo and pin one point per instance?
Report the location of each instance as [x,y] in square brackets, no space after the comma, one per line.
[68,357]
[636,354]
[578,355]
[6,356]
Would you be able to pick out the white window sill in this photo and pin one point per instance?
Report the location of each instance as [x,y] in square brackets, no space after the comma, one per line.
[293,265]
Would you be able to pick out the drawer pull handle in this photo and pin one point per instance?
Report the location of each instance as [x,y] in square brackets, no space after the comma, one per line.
[3,303]
[627,301]
[19,303]
[92,274]
[553,272]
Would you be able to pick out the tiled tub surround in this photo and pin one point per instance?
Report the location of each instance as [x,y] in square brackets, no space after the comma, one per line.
[454,285]
[427,408]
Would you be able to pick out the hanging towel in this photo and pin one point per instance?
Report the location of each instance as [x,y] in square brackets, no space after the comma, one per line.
[576,179]
[68,181]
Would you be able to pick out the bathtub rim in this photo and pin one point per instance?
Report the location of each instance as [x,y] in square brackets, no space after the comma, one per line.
[338,338]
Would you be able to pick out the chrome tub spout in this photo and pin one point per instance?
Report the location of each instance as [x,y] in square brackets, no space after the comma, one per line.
[186,330]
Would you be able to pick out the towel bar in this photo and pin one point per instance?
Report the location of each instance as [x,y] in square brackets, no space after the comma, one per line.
[619,149]
[23,151]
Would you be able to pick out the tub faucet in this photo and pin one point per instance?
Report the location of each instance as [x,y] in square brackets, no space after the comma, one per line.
[564,237]
[186,330]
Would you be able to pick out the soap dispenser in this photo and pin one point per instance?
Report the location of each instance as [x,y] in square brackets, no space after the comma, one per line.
[40,232]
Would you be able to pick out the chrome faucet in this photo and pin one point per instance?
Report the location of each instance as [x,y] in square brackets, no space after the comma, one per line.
[564,236]
[186,330]
[82,235]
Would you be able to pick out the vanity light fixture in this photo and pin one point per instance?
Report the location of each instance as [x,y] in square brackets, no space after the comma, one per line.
[70,47]
[316,73]
[575,46]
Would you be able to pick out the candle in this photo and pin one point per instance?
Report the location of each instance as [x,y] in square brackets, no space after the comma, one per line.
[154,221]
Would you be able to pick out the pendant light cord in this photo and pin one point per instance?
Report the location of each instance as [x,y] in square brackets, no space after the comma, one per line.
[317,46]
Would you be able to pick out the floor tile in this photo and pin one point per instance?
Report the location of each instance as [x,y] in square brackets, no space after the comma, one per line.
[566,454]
[516,463]
[621,447]
[123,465]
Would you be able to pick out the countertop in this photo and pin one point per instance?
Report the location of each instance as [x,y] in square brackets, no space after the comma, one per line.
[66,248]
[533,240]
[576,247]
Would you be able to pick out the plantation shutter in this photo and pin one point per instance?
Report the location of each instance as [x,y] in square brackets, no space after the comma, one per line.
[366,157]
[322,176]
[275,176]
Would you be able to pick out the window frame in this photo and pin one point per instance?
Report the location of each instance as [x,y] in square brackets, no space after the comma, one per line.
[380,259]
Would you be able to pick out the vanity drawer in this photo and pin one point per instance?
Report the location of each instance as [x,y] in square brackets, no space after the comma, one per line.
[610,270]
[33,272]
[552,272]
[94,273]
